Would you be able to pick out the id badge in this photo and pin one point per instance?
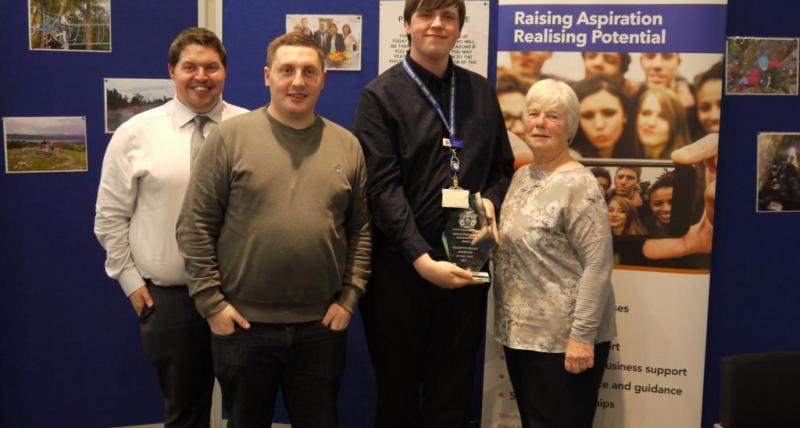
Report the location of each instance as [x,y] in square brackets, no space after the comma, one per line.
[455,198]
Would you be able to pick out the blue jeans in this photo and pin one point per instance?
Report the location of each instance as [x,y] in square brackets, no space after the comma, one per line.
[305,360]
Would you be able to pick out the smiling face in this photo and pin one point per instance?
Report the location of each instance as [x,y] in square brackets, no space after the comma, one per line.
[602,120]
[603,64]
[661,204]
[652,127]
[199,78]
[617,217]
[709,103]
[660,68]
[546,132]
[295,80]
[433,33]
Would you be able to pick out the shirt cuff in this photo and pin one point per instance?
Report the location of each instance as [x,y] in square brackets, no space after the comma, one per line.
[130,280]
[348,297]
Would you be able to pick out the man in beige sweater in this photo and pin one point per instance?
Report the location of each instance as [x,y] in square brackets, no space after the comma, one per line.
[276,236]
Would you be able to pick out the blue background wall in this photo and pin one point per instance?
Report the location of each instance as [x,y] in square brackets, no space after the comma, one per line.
[70,354]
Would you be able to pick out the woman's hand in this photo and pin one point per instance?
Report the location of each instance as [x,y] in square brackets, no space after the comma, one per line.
[579,356]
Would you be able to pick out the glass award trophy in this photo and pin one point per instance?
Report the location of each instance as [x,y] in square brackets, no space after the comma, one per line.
[468,238]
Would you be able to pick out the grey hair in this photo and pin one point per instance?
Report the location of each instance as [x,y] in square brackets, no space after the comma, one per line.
[550,94]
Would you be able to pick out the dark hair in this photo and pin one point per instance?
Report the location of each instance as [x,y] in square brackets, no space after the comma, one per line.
[636,169]
[626,146]
[295,38]
[717,71]
[599,171]
[196,36]
[624,61]
[429,5]
[509,83]
[666,179]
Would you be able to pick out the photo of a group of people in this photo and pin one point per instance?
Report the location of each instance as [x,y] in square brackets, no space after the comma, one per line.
[339,36]
[635,111]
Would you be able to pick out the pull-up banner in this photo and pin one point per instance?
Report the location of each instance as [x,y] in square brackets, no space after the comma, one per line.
[649,79]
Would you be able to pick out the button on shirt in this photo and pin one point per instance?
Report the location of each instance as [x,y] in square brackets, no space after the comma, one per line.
[142,185]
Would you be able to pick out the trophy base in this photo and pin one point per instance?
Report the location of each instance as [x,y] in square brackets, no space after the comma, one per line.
[482,277]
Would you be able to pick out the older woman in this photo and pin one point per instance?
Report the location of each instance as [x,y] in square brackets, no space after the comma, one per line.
[554,302]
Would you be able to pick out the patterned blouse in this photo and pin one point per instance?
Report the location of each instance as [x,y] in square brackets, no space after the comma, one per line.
[553,267]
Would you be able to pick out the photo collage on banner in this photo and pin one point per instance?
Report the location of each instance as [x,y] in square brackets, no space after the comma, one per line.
[649,78]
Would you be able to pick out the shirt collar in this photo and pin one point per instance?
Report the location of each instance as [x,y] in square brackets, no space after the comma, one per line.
[425,75]
[183,115]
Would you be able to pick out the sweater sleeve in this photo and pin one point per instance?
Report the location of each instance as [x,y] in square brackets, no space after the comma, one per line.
[200,222]
[359,237]
[590,235]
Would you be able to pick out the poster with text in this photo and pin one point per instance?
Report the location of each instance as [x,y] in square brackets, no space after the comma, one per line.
[471,50]
[649,79]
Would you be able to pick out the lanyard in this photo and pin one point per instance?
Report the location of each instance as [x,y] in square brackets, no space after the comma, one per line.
[451,125]
[455,163]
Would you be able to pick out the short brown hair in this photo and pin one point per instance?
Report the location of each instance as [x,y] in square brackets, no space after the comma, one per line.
[196,36]
[295,38]
[429,5]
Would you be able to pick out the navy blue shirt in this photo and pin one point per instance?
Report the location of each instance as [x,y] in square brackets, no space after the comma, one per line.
[407,166]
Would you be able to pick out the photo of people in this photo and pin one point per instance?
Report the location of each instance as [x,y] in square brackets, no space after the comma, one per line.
[651,208]
[44,144]
[70,25]
[339,36]
[761,66]
[125,98]
[632,105]
[778,181]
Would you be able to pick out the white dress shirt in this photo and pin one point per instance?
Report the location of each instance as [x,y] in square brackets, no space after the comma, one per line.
[144,178]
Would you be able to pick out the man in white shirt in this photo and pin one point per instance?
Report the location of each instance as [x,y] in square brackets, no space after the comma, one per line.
[143,182]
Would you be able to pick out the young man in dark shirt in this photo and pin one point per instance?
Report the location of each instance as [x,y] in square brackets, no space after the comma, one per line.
[424,315]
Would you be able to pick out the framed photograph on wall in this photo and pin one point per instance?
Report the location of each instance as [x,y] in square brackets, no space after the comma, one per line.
[761,66]
[69,25]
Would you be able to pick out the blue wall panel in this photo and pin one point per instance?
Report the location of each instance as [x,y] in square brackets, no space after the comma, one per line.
[70,353]
[69,344]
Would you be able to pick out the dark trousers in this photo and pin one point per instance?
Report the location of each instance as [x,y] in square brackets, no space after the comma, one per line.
[305,360]
[550,397]
[422,339]
[176,339]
